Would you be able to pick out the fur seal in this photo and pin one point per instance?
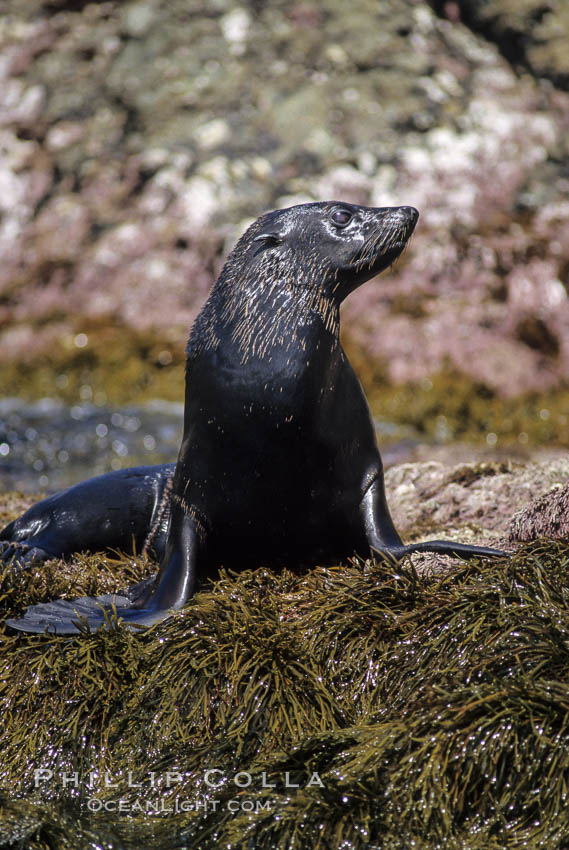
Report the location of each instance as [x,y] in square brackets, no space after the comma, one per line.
[279,462]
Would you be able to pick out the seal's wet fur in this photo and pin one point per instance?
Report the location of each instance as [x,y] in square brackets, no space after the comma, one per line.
[279,462]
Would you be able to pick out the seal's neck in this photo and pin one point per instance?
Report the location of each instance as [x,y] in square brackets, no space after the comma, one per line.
[260,320]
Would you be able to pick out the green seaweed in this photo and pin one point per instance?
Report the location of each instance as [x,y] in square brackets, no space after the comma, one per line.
[111,364]
[450,406]
[433,708]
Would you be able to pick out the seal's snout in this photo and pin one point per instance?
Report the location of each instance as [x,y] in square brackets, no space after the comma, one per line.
[402,219]
[410,213]
[406,216]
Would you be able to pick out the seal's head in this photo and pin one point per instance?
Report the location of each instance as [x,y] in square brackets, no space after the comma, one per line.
[332,245]
[290,271]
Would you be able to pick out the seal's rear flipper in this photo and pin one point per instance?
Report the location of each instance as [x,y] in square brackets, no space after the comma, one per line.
[22,554]
[88,613]
[104,513]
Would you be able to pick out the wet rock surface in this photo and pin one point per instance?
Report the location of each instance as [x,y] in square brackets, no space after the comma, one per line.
[139,138]
[481,499]
[547,516]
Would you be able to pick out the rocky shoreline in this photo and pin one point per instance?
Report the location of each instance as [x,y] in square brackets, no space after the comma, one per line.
[138,139]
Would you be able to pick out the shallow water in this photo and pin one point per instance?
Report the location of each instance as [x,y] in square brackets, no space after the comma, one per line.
[47,445]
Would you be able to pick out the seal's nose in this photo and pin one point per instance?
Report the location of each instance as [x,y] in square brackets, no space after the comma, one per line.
[407,214]
[411,213]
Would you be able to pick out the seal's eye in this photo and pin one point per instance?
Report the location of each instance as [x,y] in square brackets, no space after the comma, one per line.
[341,217]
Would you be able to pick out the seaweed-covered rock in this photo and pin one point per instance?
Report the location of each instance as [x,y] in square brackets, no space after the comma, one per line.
[358,705]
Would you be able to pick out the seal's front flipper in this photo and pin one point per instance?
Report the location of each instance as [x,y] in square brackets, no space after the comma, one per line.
[458,550]
[70,617]
[174,586]
[383,538]
[465,551]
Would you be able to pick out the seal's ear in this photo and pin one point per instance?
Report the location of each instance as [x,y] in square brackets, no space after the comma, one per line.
[268,240]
